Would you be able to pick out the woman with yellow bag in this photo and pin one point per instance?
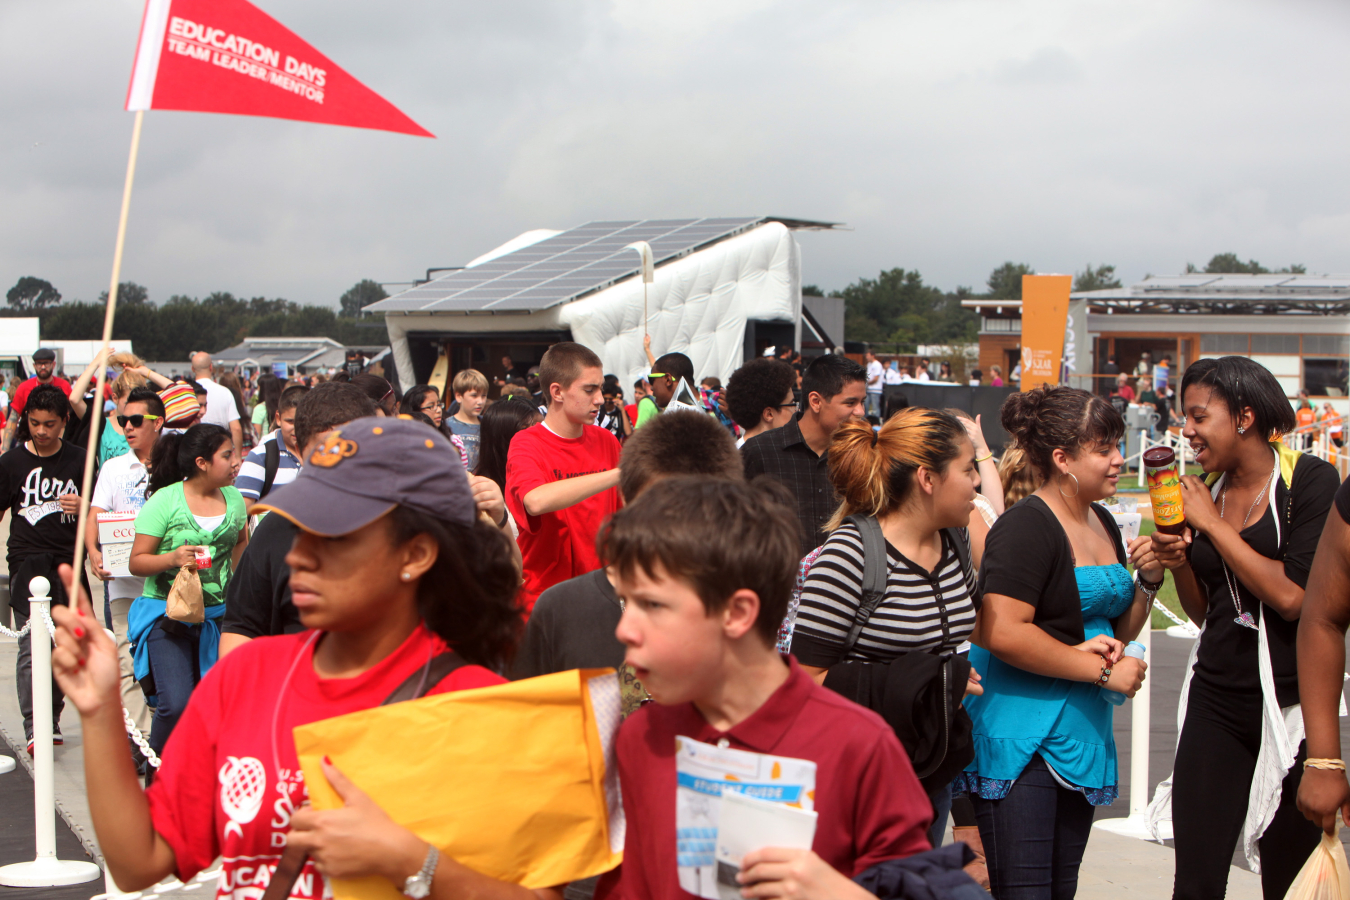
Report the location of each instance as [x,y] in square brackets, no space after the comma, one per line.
[406,590]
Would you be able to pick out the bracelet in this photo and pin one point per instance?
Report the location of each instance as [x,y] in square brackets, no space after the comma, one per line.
[1334,765]
[980,459]
[1149,585]
[1106,673]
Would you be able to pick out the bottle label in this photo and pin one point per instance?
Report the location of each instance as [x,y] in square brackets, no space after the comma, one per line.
[1164,492]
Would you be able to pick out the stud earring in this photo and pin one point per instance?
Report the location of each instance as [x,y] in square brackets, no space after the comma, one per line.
[1242,429]
[406,576]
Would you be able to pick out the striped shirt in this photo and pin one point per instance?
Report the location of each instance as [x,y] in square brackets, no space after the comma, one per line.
[932,612]
[253,472]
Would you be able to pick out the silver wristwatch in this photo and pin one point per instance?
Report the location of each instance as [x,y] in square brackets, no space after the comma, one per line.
[419,885]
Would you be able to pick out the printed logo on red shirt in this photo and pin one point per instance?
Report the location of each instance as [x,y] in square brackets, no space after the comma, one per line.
[242,784]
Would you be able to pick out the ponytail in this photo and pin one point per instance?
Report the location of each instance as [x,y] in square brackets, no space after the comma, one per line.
[175,456]
[873,471]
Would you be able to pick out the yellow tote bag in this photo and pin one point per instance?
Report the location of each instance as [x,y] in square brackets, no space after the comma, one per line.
[515,781]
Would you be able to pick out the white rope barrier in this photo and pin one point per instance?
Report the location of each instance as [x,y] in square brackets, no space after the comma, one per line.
[8,632]
[1189,627]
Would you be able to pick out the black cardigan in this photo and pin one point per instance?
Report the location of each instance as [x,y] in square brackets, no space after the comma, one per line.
[1027,557]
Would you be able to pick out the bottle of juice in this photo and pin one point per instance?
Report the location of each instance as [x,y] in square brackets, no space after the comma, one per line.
[1164,489]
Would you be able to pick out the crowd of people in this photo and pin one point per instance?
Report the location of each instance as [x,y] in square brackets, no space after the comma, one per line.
[769,565]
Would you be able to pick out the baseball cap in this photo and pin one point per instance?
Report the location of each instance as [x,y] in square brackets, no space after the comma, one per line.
[44,354]
[364,469]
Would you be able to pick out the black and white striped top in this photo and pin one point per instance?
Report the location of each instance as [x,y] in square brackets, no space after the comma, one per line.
[924,611]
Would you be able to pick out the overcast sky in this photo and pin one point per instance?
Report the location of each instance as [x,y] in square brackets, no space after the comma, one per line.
[950,135]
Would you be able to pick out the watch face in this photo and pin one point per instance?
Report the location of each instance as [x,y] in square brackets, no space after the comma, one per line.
[418,886]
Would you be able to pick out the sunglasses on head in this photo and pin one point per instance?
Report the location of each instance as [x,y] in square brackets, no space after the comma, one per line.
[135,421]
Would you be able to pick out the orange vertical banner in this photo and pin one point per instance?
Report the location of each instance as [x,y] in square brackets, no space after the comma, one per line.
[1045,313]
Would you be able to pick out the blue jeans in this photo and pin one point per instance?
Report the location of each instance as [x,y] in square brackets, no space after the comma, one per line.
[942,807]
[1035,837]
[872,405]
[173,664]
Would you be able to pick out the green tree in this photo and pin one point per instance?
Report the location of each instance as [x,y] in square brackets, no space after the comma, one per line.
[31,293]
[1229,264]
[897,309]
[810,290]
[1096,278]
[363,293]
[1005,282]
[129,293]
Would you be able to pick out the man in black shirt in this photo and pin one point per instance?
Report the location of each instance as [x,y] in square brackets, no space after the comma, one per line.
[39,486]
[833,388]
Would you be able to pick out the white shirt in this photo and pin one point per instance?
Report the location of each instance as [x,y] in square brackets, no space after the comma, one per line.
[874,374]
[121,488]
[220,408]
[922,376]
[891,376]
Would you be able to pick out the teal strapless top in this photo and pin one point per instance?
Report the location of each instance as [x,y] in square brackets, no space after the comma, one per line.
[1068,723]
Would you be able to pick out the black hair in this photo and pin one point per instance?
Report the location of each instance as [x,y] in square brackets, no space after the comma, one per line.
[756,386]
[47,398]
[290,399]
[1240,383]
[269,394]
[377,389]
[154,404]
[1059,417]
[175,456]
[828,375]
[327,406]
[498,424]
[468,596]
[639,383]
[412,401]
[676,365]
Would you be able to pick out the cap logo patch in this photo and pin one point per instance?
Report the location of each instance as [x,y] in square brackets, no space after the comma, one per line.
[334,450]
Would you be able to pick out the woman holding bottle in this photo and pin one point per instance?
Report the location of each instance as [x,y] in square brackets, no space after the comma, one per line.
[1240,569]
[1057,606]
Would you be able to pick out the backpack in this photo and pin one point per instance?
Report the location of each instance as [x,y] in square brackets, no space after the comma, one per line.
[271,461]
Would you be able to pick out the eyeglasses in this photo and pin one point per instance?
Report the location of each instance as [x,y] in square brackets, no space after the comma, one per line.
[135,421]
[787,406]
[432,406]
[662,375]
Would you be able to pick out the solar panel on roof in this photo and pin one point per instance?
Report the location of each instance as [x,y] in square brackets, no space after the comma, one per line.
[562,267]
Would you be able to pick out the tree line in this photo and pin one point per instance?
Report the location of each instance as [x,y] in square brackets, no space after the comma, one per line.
[897,311]
[182,324]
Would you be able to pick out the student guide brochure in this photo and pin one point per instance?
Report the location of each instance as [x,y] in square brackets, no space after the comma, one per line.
[748,823]
[705,772]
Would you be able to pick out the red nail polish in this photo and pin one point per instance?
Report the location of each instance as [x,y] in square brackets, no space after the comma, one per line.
[79,632]
[81,664]
[327,760]
[80,611]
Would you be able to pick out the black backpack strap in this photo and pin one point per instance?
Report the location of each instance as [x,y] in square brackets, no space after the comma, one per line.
[874,576]
[270,465]
[426,678]
[961,542]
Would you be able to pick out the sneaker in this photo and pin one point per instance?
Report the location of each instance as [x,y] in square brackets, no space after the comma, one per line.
[30,746]
[57,740]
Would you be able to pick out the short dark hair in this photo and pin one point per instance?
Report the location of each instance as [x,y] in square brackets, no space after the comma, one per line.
[562,365]
[1239,383]
[48,398]
[681,442]
[327,406]
[718,536]
[291,397]
[676,365]
[756,386]
[154,404]
[828,375]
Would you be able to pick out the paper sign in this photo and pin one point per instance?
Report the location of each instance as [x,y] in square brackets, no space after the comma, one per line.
[747,824]
[116,534]
[1045,311]
[703,774]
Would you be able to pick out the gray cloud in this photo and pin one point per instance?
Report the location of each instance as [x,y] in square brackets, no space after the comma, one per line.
[951,134]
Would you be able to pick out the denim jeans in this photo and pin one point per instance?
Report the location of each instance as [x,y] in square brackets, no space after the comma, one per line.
[942,806]
[1035,837]
[872,404]
[173,648]
[24,676]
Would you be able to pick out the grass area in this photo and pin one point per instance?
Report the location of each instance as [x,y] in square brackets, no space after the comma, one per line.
[1168,593]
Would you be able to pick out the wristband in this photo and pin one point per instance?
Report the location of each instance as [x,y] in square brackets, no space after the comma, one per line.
[980,459]
[1334,765]
[1106,674]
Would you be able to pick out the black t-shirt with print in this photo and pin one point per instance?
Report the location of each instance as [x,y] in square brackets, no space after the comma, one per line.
[1228,659]
[30,487]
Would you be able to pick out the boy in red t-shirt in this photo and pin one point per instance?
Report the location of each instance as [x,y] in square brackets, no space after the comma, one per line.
[704,567]
[562,475]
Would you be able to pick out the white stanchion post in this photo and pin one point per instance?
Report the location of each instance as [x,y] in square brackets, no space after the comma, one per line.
[45,870]
[1136,824]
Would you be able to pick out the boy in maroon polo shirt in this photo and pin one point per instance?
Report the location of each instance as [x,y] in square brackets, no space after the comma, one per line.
[562,475]
[704,567]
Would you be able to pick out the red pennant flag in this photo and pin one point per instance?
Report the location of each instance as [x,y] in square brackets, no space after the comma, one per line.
[228,56]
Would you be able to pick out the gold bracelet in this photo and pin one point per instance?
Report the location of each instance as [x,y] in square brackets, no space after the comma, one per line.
[980,459]
[1333,765]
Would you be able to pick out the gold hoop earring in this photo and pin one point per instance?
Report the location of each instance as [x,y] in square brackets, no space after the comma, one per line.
[1076,486]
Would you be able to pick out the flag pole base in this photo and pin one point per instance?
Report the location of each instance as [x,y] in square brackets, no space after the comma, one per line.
[1135,826]
[48,872]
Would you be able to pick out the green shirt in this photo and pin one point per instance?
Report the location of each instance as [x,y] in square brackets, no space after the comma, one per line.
[166,516]
[260,417]
[647,410]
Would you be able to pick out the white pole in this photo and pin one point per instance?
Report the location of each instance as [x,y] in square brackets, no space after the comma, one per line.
[45,870]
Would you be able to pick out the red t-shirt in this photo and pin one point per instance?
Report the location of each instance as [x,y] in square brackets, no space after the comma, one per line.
[20,400]
[217,794]
[631,409]
[871,806]
[559,545]
[1127,392]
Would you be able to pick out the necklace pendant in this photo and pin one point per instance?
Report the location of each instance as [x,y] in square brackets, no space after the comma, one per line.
[1246,620]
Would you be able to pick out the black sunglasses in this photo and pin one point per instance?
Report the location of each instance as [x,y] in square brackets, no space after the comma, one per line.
[135,421]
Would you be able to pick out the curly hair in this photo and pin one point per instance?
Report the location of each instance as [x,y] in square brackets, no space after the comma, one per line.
[1052,418]
[756,386]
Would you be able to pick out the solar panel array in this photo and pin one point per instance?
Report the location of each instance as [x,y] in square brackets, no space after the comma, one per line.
[563,267]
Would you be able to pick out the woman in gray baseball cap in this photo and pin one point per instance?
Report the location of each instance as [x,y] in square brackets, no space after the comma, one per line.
[405,590]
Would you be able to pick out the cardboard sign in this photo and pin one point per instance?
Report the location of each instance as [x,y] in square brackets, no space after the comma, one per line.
[116,534]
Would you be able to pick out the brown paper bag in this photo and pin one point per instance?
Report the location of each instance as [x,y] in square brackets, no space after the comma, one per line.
[185,597]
